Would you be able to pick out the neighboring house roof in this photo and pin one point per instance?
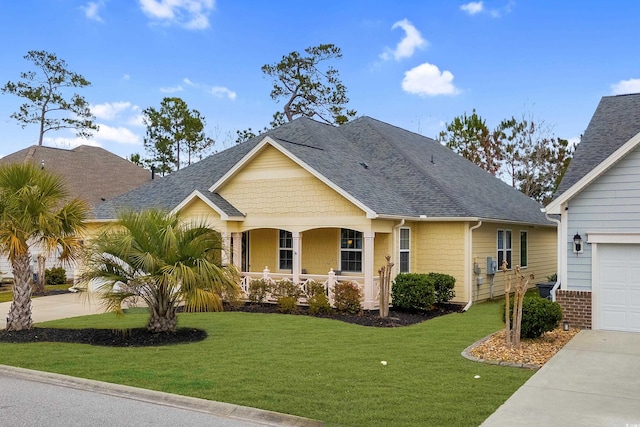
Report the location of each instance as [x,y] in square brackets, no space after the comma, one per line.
[391,171]
[90,173]
[613,126]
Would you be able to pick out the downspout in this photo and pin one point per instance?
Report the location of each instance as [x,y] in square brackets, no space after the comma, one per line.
[470,280]
[559,252]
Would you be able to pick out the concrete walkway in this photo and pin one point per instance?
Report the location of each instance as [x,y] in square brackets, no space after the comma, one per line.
[593,381]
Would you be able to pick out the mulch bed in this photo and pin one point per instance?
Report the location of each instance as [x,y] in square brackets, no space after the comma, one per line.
[371,318]
[140,337]
[137,337]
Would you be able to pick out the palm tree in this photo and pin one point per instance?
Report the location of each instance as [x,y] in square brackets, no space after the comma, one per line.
[34,212]
[155,256]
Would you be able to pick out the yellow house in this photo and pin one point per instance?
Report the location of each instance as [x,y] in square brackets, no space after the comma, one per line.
[313,201]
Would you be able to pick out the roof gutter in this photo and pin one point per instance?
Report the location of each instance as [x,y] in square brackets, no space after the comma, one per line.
[469,280]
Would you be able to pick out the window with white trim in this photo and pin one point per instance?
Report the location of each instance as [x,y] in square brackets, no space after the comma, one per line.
[524,249]
[285,250]
[504,248]
[405,250]
[350,250]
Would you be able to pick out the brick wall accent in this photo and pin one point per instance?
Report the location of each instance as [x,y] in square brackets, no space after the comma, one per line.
[576,307]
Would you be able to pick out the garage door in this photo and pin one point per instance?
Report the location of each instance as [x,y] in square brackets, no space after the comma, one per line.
[619,291]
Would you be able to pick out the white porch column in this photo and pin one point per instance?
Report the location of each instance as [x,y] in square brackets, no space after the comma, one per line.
[297,255]
[369,286]
[236,242]
[226,248]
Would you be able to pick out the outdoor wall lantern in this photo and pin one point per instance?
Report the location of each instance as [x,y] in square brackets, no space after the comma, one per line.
[577,244]
[565,325]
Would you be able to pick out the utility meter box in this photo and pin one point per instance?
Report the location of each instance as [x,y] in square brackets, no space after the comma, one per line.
[492,265]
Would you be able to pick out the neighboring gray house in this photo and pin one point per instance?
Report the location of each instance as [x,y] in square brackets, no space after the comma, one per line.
[598,202]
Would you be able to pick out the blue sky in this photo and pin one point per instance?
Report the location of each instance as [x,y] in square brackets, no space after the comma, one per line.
[414,64]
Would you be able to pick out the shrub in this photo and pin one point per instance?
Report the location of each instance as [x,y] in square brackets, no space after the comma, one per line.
[55,276]
[287,305]
[413,291]
[346,296]
[258,290]
[443,286]
[317,298]
[539,315]
[287,294]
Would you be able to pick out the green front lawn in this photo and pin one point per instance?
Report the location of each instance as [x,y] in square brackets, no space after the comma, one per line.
[316,368]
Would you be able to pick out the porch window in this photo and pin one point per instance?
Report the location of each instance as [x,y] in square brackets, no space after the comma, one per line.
[285,250]
[350,250]
[504,247]
[405,245]
[524,248]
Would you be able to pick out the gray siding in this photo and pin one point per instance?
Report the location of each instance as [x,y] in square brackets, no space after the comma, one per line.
[610,203]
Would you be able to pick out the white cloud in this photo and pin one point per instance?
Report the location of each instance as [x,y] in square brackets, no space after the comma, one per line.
[118,134]
[188,82]
[126,77]
[190,14]
[137,120]
[413,40]
[221,92]
[171,89]
[473,7]
[427,80]
[92,10]
[109,110]
[625,86]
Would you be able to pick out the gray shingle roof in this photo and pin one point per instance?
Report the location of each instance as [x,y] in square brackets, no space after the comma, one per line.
[615,121]
[90,173]
[390,170]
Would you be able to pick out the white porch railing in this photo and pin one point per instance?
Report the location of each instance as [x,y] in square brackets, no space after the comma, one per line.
[328,281]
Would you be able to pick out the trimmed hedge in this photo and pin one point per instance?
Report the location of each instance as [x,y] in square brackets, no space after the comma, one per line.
[413,291]
[539,315]
[443,286]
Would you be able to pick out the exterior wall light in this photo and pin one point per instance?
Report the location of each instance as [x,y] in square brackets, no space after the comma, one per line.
[577,244]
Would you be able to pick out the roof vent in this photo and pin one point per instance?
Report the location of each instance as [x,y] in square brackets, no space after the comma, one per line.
[42,164]
[432,160]
[364,165]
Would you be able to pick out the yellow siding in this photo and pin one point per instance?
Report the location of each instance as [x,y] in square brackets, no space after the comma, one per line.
[542,255]
[383,246]
[263,249]
[320,250]
[198,210]
[439,248]
[274,191]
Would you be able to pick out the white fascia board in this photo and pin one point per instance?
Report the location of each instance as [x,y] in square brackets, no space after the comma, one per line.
[613,237]
[197,194]
[94,220]
[555,207]
[371,214]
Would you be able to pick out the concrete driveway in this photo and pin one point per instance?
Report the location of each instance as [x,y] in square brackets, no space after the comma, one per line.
[593,381]
[56,307]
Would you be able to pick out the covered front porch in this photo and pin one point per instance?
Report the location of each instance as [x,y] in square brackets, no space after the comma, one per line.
[323,255]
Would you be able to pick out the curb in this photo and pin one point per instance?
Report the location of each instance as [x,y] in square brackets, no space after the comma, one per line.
[228,410]
[466,353]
